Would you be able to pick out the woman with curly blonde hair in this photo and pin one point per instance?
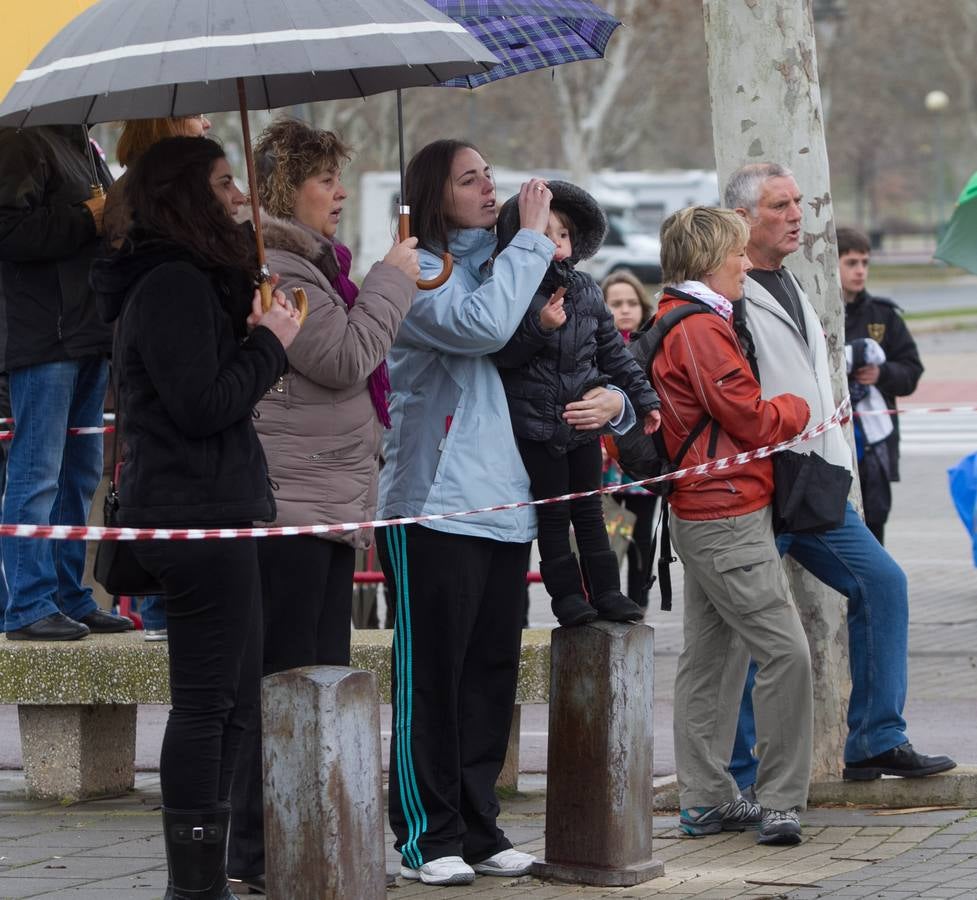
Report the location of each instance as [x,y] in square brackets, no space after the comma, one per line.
[320,426]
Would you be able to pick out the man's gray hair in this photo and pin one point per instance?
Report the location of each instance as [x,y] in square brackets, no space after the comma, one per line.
[744,185]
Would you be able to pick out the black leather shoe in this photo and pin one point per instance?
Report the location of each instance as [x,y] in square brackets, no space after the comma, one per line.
[902,761]
[55,627]
[247,884]
[101,622]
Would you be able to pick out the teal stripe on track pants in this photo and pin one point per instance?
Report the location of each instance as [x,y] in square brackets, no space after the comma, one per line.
[453,686]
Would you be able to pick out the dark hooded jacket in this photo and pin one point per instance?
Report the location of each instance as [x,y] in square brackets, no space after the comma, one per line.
[541,370]
[47,243]
[189,378]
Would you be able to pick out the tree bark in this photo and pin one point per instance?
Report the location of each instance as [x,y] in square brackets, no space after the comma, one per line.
[766,107]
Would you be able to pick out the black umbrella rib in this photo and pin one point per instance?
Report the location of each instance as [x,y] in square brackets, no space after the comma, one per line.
[356,81]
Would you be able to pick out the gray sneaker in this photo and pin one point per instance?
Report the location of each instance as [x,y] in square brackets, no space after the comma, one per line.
[780,826]
[155,634]
[734,815]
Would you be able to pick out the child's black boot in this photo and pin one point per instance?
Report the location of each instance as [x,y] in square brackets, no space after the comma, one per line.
[604,581]
[561,577]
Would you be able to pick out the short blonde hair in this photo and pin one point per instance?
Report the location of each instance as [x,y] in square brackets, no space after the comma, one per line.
[696,241]
[626,276]
[287,153]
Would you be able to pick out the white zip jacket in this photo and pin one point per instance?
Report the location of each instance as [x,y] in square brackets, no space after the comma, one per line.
[789,364]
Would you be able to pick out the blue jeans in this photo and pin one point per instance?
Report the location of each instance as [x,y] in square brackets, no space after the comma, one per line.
[851,561]
[152,610]
[51,478]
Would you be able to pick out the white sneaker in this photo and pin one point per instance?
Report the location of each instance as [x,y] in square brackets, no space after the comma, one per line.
[444,870]
[155,634]
[506,863]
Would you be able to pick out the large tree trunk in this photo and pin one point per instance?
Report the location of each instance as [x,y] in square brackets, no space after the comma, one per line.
[766,107]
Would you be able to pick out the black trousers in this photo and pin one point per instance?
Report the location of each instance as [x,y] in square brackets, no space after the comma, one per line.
[307,598]
[214,626]
[552,476]
[456,645]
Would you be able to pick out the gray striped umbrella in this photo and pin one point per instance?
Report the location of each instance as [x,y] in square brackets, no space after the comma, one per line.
[128,59]
[143,59]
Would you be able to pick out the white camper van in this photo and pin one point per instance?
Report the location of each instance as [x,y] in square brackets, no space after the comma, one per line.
[635,203]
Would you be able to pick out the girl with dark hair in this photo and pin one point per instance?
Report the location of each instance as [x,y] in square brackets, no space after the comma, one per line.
[320,426]
[194,354]
[458,582]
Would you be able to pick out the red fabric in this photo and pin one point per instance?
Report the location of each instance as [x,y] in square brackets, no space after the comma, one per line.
[700,369]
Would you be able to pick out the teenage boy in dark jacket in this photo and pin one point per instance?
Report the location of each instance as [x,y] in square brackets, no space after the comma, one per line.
[565,346]
[55,349]
[878,319]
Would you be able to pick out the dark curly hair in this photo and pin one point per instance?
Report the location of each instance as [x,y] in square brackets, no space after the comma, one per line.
[171,197]
[287,153]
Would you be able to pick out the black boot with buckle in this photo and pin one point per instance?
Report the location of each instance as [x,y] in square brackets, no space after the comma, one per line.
[561,577]
[604,581]
[196,850]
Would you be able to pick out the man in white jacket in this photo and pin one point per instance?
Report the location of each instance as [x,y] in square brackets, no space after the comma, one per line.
[791,356]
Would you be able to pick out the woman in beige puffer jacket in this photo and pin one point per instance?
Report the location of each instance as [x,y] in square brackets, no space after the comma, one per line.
[320,426]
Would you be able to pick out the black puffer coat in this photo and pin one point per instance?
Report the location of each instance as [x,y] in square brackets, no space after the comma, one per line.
[543,371]
[190,378]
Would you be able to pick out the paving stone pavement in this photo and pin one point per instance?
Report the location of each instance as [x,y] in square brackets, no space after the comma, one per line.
[112,849]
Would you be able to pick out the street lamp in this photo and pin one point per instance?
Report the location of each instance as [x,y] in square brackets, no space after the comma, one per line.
[936,102]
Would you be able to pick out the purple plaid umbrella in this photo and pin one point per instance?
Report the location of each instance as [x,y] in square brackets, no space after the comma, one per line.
[530,34]
[525,35]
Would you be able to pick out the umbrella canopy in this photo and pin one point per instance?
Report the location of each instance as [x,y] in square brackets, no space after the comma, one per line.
[958,246]
[26,29]
[530,34]
[128,59]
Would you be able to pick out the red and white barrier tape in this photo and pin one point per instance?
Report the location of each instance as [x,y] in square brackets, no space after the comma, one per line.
[106,429]
[99,533]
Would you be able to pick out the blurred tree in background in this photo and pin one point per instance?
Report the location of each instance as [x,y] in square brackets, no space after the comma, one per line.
[646,107]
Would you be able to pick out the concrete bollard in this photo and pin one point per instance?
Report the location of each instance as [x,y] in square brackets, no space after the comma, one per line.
[599,788]
[323,785]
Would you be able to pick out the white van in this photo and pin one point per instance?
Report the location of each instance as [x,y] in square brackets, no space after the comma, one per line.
[636,203]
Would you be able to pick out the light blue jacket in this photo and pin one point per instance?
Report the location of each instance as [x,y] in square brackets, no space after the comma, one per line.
[451,446]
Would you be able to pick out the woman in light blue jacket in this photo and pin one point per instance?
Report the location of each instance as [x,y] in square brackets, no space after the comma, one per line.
[458,582]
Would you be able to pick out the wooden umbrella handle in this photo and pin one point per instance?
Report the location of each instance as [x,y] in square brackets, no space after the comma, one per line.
[425,284]
[298,294]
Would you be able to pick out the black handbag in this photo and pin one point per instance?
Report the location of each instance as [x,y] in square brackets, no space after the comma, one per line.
[116,567]
[810,494]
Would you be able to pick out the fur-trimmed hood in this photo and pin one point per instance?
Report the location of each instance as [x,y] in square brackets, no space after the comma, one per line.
[589,221]
[294,237]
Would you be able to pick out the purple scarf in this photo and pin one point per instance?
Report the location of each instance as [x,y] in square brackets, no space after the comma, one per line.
[379,379]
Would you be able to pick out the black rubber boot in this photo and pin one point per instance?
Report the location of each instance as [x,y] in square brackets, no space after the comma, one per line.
[561,577]
[604,580]
[196,850]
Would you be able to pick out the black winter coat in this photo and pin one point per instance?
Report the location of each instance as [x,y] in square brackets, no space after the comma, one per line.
[47,244]
[879,319]
[543,371]
[190,377]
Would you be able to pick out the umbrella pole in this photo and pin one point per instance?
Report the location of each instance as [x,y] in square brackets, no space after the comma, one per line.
[403,219]
[96,186]
[264,273]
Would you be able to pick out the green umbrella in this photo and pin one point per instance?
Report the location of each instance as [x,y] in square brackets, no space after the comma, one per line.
[958,246]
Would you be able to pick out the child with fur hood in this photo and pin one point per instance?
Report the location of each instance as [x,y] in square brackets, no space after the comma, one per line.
[565,346]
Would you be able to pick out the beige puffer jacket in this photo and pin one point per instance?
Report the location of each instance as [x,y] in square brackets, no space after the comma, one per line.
[317,424]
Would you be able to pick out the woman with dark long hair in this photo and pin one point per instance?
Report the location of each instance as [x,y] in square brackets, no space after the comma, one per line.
[195,354]
[458,582]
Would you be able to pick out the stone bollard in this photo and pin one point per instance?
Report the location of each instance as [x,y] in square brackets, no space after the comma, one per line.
[599,788]
[323,785]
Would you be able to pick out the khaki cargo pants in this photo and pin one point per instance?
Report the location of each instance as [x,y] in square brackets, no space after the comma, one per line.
[738,604]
